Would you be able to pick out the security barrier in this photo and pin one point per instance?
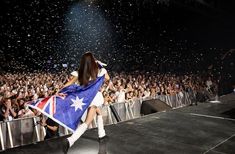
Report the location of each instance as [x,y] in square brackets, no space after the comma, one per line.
[131,109]
[20,132]
[175,101]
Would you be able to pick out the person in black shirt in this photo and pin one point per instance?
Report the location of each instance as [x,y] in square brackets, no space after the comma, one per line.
[52,128]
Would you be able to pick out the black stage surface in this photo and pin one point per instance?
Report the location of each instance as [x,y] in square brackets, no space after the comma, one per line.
[207,128]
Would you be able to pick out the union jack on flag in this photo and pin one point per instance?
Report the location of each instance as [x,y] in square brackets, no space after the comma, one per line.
[68,110]
[47,104]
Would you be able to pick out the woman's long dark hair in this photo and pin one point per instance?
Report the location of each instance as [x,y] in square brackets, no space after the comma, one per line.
[88,69]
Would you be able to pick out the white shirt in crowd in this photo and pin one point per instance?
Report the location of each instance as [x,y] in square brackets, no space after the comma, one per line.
[209,83]
[120,95]
[146,93]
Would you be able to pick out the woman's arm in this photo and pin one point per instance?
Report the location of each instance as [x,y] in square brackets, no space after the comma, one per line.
[72,81]
[13,113]
[107,77]
[6,113]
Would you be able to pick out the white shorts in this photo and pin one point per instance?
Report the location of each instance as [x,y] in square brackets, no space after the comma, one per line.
[98,100]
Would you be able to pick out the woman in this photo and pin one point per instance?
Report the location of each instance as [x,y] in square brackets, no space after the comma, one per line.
[88,71]
[7,112]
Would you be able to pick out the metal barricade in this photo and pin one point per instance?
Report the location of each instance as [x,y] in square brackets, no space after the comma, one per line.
[187,99]
[121,110]
[167,100]
[134,108]
[175,101]
[107,115]
[28,130]
[19,132]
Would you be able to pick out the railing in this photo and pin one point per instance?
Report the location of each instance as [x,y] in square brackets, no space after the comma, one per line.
[20,132]
[178,100]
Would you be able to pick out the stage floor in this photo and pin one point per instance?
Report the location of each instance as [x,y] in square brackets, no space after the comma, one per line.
[207,128]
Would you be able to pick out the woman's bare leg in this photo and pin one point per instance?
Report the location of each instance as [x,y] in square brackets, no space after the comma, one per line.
[83,127]
[90,114]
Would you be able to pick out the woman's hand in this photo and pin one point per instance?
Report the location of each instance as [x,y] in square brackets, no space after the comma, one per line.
[8,104]
[61,95]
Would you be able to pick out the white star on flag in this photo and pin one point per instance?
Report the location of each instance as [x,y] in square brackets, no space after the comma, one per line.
[77,103]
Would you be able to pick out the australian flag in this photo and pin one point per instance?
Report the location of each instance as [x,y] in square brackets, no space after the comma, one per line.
[67,110]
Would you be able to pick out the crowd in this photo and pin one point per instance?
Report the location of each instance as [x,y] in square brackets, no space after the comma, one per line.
[18,88]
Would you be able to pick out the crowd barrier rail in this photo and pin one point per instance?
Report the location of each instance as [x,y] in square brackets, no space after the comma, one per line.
[18,132]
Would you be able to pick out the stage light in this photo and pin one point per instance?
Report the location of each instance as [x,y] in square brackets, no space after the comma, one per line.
[86,29]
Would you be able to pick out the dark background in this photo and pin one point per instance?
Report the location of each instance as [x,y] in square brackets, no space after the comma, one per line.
[161,35]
